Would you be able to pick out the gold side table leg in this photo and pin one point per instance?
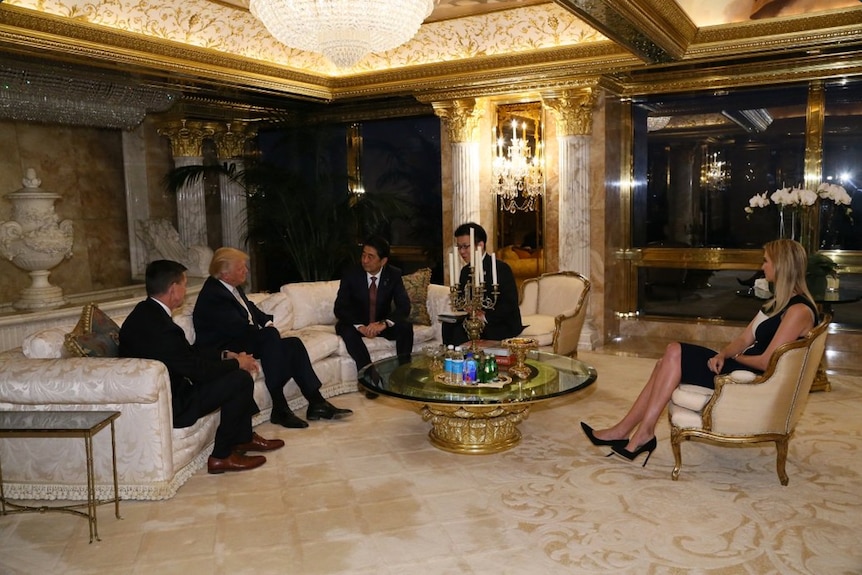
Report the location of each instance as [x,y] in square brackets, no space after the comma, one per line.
[91,490]
[114,464]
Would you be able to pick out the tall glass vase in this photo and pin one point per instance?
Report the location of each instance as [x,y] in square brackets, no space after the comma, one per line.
[788,223]
[806,236]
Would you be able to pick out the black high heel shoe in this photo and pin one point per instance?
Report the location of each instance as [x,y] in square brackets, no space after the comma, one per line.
[649,447]
[588,431]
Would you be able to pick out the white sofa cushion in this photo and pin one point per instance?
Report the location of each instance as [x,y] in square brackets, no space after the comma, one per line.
[312,302]
[540,327]
[279,306]
[46,344]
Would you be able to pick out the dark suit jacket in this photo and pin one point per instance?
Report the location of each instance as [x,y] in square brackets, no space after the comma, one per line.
[351,303]
[220,320]
[150,333]
[505,319]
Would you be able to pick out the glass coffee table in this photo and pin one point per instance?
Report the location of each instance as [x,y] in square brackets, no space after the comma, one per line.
[474,418]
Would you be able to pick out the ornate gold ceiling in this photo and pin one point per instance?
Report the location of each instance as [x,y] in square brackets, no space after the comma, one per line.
[465,49]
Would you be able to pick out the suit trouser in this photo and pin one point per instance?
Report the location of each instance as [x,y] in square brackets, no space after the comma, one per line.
[234,395]
[401,332]
[283,359]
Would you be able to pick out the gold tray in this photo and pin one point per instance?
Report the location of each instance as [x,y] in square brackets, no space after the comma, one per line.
[496,384]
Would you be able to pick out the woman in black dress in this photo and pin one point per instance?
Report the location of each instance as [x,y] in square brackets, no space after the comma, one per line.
[789,315]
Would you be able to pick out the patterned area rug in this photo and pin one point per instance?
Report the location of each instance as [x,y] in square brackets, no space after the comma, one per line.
[370,495]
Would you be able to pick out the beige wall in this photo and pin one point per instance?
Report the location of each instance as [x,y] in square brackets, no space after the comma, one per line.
[84,166]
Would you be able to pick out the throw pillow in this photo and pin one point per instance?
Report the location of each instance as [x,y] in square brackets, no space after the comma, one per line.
[96,334]
[416,285]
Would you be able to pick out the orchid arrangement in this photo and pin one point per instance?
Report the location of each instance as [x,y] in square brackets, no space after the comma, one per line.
[800,198]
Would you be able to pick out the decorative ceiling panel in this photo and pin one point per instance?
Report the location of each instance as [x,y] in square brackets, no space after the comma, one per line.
[222,28]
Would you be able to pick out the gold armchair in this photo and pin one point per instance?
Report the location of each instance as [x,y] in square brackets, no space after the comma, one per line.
[746,408]
[554,307]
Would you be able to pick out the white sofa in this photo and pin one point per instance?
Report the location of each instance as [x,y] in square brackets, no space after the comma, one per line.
[153,458]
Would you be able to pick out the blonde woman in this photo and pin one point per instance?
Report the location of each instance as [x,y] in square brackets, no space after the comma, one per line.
[789,315]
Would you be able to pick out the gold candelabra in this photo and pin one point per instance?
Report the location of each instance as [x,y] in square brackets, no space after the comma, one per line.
[473,298]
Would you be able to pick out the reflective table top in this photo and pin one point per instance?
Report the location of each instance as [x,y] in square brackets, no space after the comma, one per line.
[550,376]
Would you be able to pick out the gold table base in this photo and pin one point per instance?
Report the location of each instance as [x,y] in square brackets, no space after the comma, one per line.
[475,429]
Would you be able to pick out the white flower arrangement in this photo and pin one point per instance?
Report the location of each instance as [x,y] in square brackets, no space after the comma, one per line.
[800,198]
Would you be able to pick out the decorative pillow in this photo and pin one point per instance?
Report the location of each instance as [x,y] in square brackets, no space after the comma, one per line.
[416,285]
[312,302]
[96,334]
[45,344]
[279,306]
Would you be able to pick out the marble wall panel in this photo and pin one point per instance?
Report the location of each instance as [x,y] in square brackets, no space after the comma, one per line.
[85,166]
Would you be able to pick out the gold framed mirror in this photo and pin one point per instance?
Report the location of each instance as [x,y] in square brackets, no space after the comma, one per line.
[519,187]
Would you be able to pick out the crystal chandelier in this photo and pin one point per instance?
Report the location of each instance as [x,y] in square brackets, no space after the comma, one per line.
[344,31]
[517,174]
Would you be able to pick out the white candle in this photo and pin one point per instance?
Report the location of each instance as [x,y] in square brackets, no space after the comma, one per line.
[514,130]
[455,253]
[472,244]
[452,270]
[479,271]
[494,268]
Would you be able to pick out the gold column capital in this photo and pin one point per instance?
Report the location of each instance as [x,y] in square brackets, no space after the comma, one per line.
[461,118]
[573,110]
[230,138]
[186,137]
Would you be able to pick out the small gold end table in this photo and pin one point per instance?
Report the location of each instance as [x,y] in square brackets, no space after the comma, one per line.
[83,424]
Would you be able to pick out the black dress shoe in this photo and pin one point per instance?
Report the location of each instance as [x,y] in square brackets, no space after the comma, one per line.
[371,395]
[287,419]
[325,410]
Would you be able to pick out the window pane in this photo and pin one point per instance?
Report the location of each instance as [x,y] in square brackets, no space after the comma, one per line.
[707,154]
[842,164]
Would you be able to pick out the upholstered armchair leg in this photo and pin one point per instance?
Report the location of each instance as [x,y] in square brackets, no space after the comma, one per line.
[675,439]
[781,448]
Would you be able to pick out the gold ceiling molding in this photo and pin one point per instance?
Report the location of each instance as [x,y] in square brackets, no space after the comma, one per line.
[25,31]
[797,34]
[654,30]
[682,78]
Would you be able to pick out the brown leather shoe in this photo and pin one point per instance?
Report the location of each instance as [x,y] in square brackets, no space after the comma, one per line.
[258,443]
[234,462]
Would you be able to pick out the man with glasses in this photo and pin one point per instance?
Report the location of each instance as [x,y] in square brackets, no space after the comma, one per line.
[504,319]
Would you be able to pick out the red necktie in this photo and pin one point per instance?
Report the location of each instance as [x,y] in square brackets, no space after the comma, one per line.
[372,300]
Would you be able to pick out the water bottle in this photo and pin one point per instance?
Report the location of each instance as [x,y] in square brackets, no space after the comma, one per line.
[447,362]
[458,365]
[470,369]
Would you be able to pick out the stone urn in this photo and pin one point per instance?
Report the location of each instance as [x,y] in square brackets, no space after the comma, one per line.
[36,241]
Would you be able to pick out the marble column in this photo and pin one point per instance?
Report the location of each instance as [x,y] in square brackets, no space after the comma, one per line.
[187,138]
[230,140]
[461,119]
[573,112]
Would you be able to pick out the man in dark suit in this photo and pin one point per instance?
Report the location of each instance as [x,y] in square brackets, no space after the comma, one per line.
[201,381]
[504,319]
[372,302]
[224,318]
